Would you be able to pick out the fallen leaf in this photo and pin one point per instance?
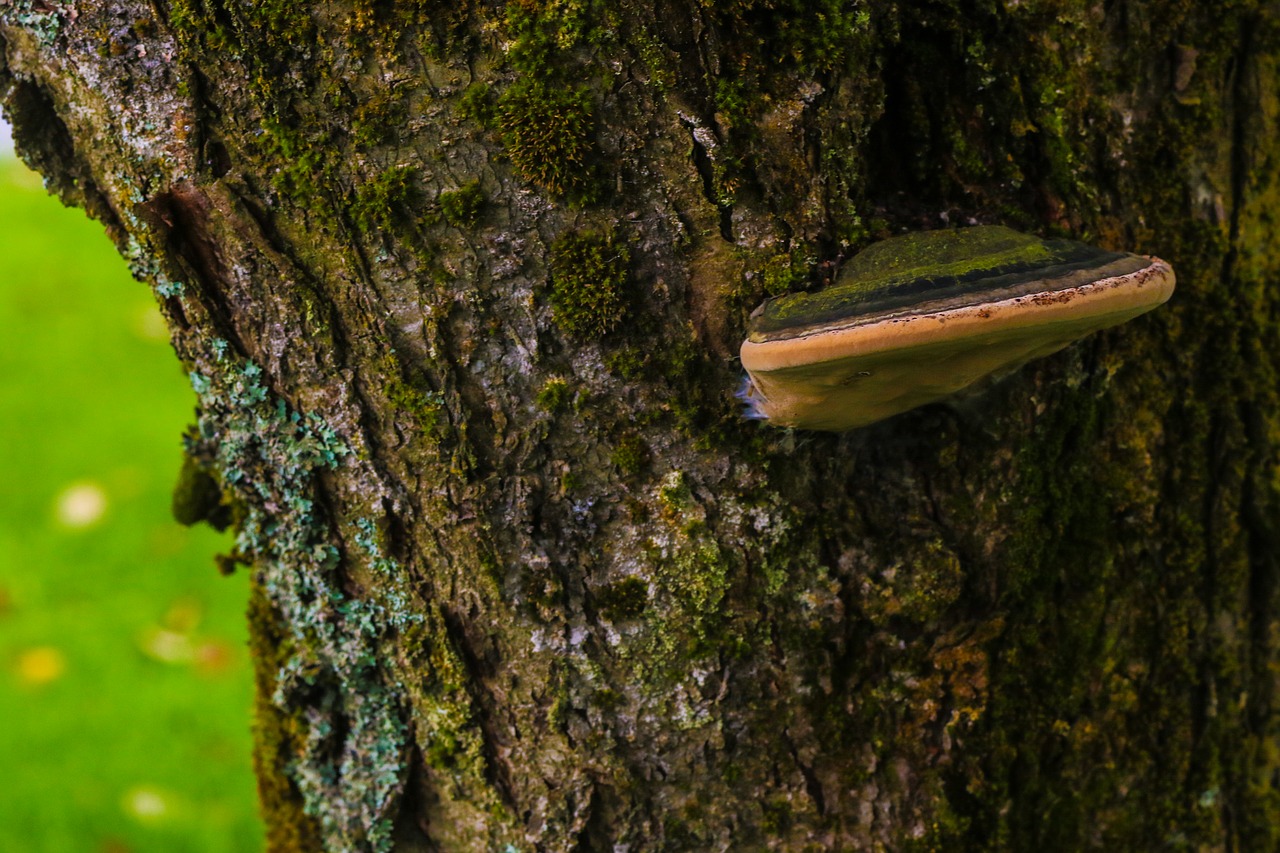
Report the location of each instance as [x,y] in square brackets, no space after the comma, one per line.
[166,646]
[213,656]
[81,505]
[146,804]
[41,665]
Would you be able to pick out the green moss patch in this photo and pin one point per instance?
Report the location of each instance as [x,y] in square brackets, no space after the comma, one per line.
[588,283]
[631,454]
[555,395]
[549,135]
[386,200]
[462,207]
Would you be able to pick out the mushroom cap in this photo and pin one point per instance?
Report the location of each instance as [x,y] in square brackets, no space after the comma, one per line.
[916,318]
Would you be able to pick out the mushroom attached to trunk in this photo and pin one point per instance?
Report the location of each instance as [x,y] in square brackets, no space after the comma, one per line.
[916,318]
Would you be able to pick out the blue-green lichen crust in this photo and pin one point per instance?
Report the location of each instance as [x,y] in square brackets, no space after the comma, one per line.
[939,270]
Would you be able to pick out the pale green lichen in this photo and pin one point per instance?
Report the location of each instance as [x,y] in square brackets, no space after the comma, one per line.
[145,268]
[42,20]
[350,769]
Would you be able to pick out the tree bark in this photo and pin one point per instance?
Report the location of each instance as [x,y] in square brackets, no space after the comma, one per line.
[460,287]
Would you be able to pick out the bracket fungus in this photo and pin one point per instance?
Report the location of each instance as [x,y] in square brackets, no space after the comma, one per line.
[916,318]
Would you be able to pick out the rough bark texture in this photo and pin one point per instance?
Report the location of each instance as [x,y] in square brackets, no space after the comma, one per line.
[459,286]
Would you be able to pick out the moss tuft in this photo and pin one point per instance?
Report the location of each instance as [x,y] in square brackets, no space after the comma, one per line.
[588,283]
[462,207]
[376,121]
[697,578]
[628,362]
[623,600]
[784,273]
[477,105]
[555,395]
[674,496]
[631,454]
[424,405]
[385,201]
[776,818]
[548,133]
[305,165]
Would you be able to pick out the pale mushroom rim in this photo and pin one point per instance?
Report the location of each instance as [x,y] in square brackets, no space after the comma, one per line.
[1121,296]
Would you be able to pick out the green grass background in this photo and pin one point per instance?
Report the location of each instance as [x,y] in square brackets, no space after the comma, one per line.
[125,687]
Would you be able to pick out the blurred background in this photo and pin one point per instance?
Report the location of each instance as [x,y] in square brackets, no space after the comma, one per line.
[125,686]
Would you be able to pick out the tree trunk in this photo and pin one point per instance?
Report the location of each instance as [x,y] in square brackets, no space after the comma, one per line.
[460,288]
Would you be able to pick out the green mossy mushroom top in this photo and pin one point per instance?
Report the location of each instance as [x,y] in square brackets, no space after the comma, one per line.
[932,270]
[917,318]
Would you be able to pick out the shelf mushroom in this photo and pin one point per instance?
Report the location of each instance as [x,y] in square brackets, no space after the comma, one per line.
[916,318]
